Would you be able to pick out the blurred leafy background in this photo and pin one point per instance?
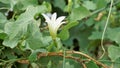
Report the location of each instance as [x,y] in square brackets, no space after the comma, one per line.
[23,33]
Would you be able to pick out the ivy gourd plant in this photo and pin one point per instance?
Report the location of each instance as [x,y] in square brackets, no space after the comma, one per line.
[59,34]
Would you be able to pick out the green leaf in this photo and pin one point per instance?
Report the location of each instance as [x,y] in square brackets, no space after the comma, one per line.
[113,52]
[68,65]
[79,13]
[34,65]
[116,63]
[9,54]
[18,29]
[89,5]
[26,3]
[91,64]
[80,35]
[11,42]
[5,1]
[69,6]
[60,4]
[64,34]
[101,3]
[22,65]
[20,25]
[114,34]
[90,21]
[70,25]
[11,3]
[34,37]
[57,62]
[95,35]
[47,6]
[73,63]
[33,55]
[3,21]
[2,35]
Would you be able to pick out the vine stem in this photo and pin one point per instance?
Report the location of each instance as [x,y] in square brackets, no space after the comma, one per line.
[70,57]
[87,56]
[103,34]
[3,8]
[73,52]
[64,57]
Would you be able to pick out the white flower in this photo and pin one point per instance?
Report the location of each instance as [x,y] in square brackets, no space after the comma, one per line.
[54,23]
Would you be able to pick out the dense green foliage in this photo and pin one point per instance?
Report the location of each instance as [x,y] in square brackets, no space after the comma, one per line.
[24,33]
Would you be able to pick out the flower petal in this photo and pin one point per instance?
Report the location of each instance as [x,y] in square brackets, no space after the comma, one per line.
[59,22]
[63,22]
[53,17]
[46,18]
[59,19]
[58,25]
[54,23]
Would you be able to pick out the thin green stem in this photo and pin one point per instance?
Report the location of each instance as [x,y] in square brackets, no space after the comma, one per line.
[64,57]
[104,8]
[11,60]
[106,24]
[55,42]
[3,8]
[108,61]
[14,15]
